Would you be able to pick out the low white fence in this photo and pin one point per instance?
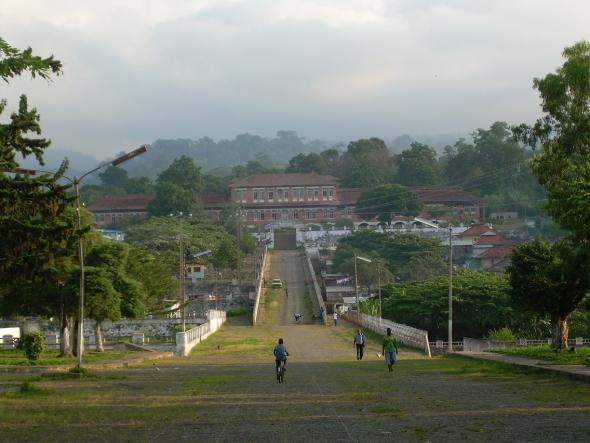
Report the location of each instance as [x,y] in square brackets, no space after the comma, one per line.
[186,341]
[406,335]
[477,345]
[317,293]
[259,287]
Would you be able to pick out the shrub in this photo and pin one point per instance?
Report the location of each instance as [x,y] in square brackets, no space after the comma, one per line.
[33,344]
[502,334]
[235,312]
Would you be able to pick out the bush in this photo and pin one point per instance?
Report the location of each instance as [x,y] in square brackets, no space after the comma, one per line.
[33,344]
[236,312]
[502,334]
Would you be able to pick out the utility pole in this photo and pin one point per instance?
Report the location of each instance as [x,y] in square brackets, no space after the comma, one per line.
[239,235]
[181,274]
[450,288]
[379,290]
[356,286]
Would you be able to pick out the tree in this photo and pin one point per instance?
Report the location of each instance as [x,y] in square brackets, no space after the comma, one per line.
[481,302]
[112,176]
[366,163]
[386,201]
[551,279]
[418,166]
[563,162]
[36,219]
[178,188]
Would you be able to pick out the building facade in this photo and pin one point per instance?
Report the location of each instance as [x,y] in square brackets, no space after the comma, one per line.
[291,199]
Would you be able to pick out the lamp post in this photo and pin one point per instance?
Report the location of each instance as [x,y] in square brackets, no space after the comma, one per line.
[182,268]
[76,182]
[356,285]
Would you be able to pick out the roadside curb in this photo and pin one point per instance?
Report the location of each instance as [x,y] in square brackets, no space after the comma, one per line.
[117,364]
[575,372]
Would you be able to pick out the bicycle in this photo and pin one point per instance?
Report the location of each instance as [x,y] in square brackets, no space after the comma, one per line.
[281,371]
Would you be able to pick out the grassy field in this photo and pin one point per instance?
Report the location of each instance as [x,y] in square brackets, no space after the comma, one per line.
[225,391]
[580,357]
[50,358]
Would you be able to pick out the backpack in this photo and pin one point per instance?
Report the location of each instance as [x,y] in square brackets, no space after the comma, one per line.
[280,352]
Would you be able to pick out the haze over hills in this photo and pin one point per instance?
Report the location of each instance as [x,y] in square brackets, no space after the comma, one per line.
[218,157]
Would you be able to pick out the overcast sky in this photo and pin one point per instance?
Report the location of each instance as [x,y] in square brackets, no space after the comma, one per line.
[139,70]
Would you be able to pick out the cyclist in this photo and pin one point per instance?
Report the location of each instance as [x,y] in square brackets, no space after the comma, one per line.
[280,353]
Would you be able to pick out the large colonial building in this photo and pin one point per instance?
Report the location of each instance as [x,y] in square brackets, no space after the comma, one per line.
[291,199]
[295,200]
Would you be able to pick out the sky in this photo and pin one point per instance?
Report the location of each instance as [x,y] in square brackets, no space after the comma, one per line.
[138,70]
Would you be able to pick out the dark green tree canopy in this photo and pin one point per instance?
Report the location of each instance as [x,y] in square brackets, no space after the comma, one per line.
[386,201]
[563,163]
[418,166]
[551,279]
[366,163]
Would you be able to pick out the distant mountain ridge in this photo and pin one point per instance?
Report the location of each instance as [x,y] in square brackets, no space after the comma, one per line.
[220,156]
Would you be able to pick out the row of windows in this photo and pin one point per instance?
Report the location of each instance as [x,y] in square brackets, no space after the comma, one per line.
[260,195]
[294,214]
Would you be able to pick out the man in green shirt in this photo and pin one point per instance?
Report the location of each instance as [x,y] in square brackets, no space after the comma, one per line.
[389,349]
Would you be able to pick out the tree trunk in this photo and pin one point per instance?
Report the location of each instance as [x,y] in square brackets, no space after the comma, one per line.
[65,344]
[559,332]
[98,337]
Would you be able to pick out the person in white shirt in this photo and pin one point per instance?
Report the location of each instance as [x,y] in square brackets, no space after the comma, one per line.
[335,318]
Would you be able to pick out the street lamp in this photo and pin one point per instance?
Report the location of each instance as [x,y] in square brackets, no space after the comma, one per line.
[76,182]
[356,285]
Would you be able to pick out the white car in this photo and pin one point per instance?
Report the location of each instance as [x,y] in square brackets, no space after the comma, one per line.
[276,283]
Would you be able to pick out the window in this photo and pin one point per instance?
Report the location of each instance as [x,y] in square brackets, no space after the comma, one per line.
[275,214]
[316,194]
[331,194]
[349,211]
[258,195]
[310,194]
[279,194]
[286,195]
[310,214]
[258,215]
[284,214]
[271,196]
[331,213]
[296,214]
[325,194]
[298,194]
[325,212]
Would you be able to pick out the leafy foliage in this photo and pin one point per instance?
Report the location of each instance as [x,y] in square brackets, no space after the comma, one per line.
[386,201]
[407,256]
[481,302]
[178,188]
[366,163]
[418,166]
[552,280]
[563,163]
[33,343]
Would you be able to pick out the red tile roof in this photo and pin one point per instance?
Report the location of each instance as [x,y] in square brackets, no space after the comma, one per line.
[129,202]
[441,194]
[493,240]
[297,179]
[497,252]
[476,230]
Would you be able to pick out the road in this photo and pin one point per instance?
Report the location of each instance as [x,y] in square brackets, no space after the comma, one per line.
[288,266]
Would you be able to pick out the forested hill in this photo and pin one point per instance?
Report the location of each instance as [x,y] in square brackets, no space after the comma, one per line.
[224,154]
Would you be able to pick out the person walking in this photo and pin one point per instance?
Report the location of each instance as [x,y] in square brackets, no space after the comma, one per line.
[359,344]
[389,349]
[335,318]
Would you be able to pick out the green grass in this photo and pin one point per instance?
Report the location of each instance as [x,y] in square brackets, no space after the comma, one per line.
[271,305]
[236,312]
[580,357]
[51,358]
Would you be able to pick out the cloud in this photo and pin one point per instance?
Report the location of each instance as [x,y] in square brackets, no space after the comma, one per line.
[139,70]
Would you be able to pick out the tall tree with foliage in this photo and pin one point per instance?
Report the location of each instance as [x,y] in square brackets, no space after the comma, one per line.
[36,219]
[178,188]
[366,163]
[386,201]
[552,280]
[563,162]
[418,166]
